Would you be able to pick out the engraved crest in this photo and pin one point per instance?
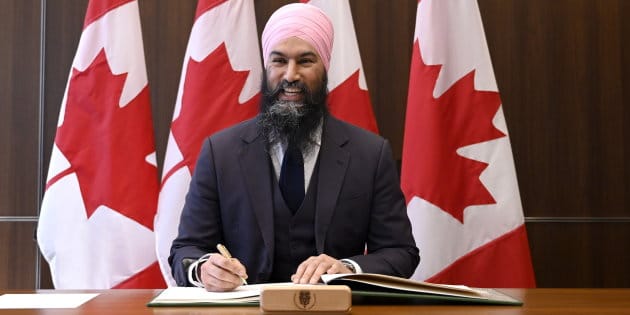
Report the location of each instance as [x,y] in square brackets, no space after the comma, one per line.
[304,299]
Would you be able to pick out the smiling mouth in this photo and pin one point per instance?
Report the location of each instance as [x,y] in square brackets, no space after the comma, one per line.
[291,94]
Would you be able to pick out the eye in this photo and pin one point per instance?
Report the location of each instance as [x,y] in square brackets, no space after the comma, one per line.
[306,61]
[278,60]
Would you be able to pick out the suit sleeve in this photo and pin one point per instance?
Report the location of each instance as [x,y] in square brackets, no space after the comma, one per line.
[200,222]
[391,248]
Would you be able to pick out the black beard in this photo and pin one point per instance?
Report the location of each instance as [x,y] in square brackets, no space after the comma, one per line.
[289,121]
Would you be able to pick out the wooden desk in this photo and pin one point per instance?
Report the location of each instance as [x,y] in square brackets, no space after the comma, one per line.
[536,301]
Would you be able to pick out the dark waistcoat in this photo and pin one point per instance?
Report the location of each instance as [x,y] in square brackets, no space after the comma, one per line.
[294,234]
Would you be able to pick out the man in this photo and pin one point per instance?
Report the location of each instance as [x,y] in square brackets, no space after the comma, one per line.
[293,193]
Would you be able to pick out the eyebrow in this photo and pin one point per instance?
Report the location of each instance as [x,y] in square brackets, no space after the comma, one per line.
[304,54]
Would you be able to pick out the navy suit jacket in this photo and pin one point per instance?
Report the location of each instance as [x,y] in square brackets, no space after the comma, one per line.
[359,203]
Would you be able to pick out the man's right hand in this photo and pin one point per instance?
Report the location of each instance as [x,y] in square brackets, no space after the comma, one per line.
[222,274]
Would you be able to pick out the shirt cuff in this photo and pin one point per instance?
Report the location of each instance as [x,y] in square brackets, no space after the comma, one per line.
[357,268]
[192,271]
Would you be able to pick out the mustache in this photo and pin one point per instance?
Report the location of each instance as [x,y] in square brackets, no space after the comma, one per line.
[273,93]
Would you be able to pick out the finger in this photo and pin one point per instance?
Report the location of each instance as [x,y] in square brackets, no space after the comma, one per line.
[337,267]
[315,268]
[239,268]
[319,271]
[219,286]
[231,265]
[222,270]
[225,281]
[309,269]
[214,279]
[295,278]
[325,262]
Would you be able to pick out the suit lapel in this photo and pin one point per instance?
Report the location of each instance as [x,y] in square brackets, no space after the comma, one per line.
[333,163]
[256,170]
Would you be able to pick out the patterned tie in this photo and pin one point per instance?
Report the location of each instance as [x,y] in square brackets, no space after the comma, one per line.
[292,177]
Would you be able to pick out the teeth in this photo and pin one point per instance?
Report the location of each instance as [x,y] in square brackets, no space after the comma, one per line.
[292,90]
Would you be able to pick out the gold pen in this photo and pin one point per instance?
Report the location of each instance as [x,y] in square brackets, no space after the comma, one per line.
[225,253]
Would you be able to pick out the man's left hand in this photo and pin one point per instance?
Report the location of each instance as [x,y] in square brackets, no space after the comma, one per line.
[310,271]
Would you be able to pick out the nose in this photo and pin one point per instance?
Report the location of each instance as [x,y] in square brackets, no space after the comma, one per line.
[292,73]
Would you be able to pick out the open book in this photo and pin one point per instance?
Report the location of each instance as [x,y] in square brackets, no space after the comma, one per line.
[365,288]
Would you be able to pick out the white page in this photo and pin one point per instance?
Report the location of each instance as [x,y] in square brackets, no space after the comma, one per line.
[200,294]
[44,300]
[185,295]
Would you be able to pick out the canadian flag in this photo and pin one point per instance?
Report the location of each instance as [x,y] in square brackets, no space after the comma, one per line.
[458,172]
[219,87]
[349,99]
[96,222]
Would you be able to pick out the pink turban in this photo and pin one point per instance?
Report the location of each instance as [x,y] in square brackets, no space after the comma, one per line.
[304,21]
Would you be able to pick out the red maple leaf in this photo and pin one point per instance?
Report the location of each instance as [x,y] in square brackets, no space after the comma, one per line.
[107,145]
[435,129]
[350,103]
[209,104]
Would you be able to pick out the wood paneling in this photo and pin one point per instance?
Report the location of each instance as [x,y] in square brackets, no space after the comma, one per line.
[166,28]
[19,91]
[17,255]
[562,78]
[625,65]
[580,254]
[385,32]
[45,279]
